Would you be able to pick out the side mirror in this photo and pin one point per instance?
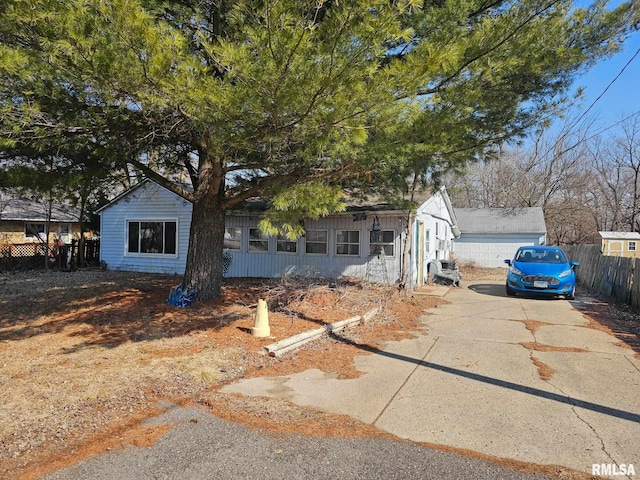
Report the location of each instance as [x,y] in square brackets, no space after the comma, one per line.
[508,262]
[574,264]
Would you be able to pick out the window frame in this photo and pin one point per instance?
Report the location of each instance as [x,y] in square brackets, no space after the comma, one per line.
[635,246]
[140,221]
[262,239]
[283,240]
[39,235]
[383,244]
[239,239]
[316,242]
[347,243]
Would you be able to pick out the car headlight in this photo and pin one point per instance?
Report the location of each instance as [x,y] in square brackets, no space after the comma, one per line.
[566,273]
[516,271]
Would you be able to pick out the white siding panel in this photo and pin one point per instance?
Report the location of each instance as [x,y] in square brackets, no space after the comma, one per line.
[148,202]
[490,250]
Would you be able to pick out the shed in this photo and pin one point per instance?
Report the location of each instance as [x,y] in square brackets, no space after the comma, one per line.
[620,244]
[491,235]
[146,229]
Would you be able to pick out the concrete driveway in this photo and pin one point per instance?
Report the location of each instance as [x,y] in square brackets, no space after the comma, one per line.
[510,377]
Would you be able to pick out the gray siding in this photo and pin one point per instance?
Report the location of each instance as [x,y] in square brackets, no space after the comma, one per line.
[152,202]
[332,265]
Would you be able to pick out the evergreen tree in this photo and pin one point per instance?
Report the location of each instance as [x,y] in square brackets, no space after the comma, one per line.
[291,100]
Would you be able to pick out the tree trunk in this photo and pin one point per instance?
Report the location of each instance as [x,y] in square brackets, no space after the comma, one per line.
[406,254]
[203,271]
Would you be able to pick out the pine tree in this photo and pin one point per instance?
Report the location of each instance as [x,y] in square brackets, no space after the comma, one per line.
[275,98]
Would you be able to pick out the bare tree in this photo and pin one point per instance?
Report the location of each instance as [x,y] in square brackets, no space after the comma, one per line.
[553,172]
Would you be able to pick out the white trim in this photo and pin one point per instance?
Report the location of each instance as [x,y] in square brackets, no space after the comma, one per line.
[347,243]
[326,243]
[283,238]
[262,239]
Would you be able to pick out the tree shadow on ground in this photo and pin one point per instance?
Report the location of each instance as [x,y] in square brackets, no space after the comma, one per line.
[109,313]
[564,399]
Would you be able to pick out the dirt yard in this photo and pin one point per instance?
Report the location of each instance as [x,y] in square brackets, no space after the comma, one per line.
[86,355]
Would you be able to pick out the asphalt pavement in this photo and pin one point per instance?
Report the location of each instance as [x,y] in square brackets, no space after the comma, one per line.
[203,447]
[509,377]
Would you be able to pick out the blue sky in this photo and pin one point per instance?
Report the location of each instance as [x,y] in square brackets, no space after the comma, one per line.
[623,96]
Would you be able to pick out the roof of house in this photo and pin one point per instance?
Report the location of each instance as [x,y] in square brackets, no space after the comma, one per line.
[22,209]
[372,204]
[501,220]
[620,235]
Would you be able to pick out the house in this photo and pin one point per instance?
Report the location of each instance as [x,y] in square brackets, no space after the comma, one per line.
[25,221]
[146,229]
[620,244]
[491,235]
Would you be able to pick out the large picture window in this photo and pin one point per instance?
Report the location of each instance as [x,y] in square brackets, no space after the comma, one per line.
[382,240]
[347,242]
[316,242]
[156,237]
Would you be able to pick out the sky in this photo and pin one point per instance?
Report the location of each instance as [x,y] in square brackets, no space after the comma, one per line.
[622,98]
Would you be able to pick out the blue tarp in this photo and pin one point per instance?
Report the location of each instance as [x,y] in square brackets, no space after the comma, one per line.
[180,298]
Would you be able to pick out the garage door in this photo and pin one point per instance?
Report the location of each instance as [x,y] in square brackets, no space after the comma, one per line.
[486,254]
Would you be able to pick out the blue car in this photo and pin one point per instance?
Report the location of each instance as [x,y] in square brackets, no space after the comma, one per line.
[541,270]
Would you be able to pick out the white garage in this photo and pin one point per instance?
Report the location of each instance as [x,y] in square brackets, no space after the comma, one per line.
[490,235]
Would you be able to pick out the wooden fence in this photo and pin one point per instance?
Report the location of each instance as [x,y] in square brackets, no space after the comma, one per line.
[29,256]
[613,276]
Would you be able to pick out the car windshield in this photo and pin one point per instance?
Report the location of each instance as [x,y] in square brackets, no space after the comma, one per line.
[535,255]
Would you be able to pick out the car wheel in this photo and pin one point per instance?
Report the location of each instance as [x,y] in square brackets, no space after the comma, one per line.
[572,295]
[510,292]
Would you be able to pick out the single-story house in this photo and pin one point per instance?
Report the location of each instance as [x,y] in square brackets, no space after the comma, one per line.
[146,229]
[25,221]
[620,244]
[491,235]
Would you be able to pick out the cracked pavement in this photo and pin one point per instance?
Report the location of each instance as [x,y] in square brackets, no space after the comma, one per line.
[519,378]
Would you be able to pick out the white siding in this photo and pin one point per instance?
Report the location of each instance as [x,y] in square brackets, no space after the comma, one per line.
[491,250]
[438,241]
[148,202]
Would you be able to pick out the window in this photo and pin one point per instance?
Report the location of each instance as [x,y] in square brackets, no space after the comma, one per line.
[283,244]
[632,246]
[33,231]
[258,243]
[157,237]
[347,242]
[64,232]
[382,240]
[316,242]
[233,238]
